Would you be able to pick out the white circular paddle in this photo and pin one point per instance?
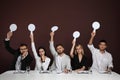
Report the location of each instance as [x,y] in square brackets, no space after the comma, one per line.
[76,34]
[31,28]
[54,28]
[95,26]
[13,27]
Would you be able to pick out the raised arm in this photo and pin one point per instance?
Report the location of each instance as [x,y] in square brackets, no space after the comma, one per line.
[7,43]
[90,44]
[52,48]
[92,38]
[72,49]
[52,36]
[33,46]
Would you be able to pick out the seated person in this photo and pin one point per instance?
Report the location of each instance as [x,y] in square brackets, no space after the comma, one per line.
[22,57]
[61,60]
[78,59]
[42,61]
[102,60]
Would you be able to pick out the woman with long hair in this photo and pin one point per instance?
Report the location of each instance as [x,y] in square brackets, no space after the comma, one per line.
[42,61]
[78,59]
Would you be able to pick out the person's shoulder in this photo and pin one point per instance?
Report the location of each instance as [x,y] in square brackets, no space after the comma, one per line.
[108,53]
[17,52]
[29,55]
[66,56]
[48,58]
[92,46]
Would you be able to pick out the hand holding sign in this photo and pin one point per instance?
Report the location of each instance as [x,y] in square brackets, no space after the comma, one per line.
[54,28]
[76,34]
[95,26]
[31,28]
[13,27]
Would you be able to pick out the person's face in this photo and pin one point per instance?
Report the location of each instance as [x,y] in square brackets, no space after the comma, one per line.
[79,49]
[23,49]
[102,46]
[41,52]
[60,49]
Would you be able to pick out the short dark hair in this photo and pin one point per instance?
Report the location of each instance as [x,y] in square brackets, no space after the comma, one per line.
[41,48]
[59,45]
[23,44]
[103,41]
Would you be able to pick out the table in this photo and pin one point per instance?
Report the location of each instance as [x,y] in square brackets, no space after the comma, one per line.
[35,75]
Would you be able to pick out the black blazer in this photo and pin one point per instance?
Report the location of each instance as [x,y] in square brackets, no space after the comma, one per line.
[76,64]
[24,63]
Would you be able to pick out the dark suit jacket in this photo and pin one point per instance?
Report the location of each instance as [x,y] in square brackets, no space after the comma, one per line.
[76,64]
[24,63]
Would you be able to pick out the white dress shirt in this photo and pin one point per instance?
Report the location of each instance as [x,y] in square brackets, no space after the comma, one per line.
[101,61]
[18,62]
[60,62]
[39,64]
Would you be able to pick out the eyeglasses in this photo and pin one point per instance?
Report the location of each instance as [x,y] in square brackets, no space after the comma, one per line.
[23,49]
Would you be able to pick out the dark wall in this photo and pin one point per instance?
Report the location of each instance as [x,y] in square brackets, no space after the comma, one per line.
[69,15]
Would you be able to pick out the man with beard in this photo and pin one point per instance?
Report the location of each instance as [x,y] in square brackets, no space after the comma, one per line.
[61,60]
[22,58]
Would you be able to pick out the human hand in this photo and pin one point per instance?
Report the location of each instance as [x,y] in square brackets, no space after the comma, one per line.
[93,34]
[52,34]
[9,34]
[66,70]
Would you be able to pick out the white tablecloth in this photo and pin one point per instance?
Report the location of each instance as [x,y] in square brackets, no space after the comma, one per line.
[35,75]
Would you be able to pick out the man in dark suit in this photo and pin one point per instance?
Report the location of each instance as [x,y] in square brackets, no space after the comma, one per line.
[22,58]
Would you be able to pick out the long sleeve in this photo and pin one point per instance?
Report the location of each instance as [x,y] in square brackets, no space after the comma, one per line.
[85,62]
[52,49]
[65,62]
[8,48]
[38,60]
[69,64]
[46,64]
[110,64]
[34,50]
[91,48]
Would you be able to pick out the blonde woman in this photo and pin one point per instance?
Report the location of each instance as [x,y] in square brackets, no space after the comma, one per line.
[78,59]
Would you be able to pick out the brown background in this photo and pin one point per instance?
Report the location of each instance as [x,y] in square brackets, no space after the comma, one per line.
[69,15]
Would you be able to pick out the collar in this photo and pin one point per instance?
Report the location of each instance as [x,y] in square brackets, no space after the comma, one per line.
[61,55]
[104,52]
[23,57]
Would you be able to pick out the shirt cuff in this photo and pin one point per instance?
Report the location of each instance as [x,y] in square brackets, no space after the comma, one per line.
[90,45]
[6,39]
